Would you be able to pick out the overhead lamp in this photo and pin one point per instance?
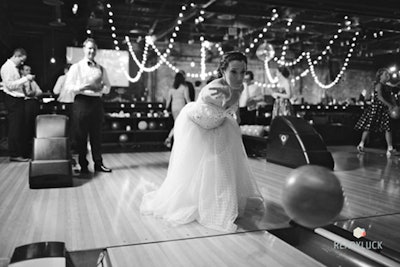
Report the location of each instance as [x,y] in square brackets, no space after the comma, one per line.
[226,17]
[75,9]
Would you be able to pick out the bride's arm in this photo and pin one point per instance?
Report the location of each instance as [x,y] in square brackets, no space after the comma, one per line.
[215,93]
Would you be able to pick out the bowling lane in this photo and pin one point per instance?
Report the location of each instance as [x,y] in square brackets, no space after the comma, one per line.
[258,248]
[371,185]
[370,182]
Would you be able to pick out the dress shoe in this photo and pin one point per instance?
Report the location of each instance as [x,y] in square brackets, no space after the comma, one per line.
[168,142]
[391,152]
[19,159]
[102,168]
[84,171]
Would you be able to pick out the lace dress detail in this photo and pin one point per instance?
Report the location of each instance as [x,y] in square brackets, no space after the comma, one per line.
[209,115]
[209,179]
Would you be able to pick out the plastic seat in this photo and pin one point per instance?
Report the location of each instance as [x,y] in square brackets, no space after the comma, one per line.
[51,164]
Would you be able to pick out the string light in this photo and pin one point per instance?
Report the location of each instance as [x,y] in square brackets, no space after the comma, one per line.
[75,8]
[281,61]
[112,27]
[205,45]
[343,69]
[144,58]
[269,76]
[149,41]
[174,34]
[260,35]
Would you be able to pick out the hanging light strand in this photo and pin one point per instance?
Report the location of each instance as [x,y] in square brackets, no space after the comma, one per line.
[343,69]
[260,35]
[281,61]
[112,27]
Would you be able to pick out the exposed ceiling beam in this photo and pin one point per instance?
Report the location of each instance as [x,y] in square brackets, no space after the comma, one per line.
[160,11]
[189,16]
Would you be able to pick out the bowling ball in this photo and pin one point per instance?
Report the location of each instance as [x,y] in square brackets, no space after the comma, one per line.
[115,125]
[152,125]
[394,112]
[123,138]
[312,196]
[142,125]
[162,125]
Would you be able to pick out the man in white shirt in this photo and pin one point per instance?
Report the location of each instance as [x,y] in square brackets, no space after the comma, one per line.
[14,102]
[248,99]
[89,81]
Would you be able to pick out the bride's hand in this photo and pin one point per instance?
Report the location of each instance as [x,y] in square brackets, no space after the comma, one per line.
[275,95]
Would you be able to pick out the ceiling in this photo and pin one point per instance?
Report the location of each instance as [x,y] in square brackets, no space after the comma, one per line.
[232,23]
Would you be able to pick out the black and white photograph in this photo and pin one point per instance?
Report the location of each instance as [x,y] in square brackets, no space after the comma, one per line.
[159,133]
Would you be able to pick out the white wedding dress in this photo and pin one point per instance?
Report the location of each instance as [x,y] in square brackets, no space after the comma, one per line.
[209,179]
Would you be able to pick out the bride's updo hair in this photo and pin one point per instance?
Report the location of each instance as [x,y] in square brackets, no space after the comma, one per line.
[228,57]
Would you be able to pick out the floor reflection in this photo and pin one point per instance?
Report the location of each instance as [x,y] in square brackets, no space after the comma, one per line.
[372,185]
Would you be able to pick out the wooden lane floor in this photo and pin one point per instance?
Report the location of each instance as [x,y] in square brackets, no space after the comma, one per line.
[371,182]
[103,210]
[258,248]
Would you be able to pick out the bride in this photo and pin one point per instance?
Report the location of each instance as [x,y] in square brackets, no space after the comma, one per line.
[209,179]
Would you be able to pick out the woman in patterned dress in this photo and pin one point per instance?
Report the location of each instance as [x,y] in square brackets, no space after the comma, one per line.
[376,117]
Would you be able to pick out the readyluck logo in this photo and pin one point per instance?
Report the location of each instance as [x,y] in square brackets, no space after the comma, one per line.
[358,232]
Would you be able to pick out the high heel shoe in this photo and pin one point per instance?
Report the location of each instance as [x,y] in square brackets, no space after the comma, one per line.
[391,152]
[167,142]
[360,149]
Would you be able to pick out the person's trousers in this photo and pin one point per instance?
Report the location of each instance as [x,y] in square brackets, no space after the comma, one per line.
[15,109]
[88,115]
[66,109]
[247,116]
[31,111]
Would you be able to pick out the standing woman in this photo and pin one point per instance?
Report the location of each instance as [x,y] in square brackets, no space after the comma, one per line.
[209,179]
[376,117]
[282,105]
[178,97]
